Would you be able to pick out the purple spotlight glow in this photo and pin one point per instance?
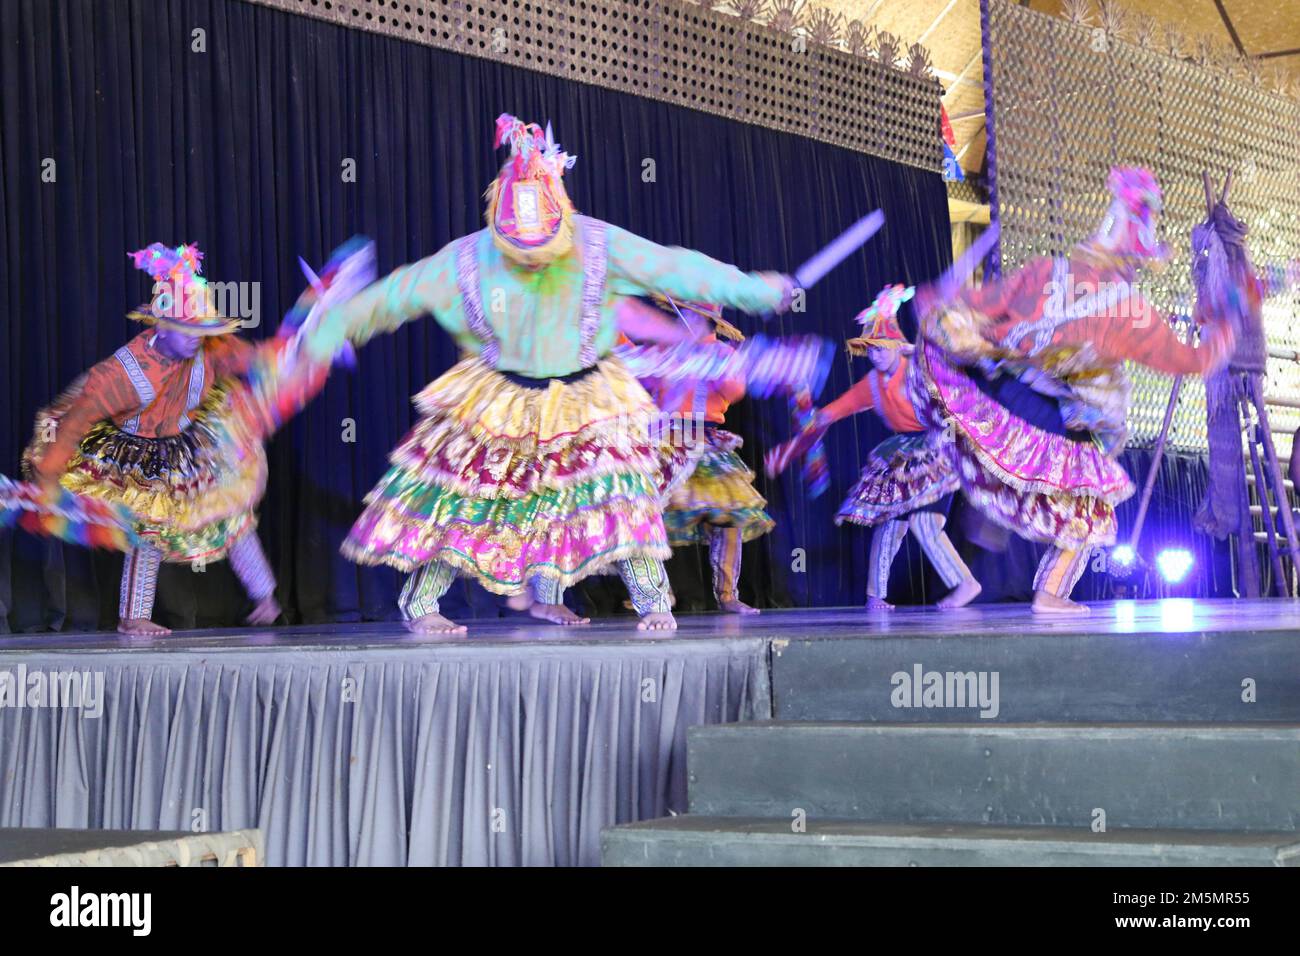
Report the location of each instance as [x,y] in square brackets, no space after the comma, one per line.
[1174,563]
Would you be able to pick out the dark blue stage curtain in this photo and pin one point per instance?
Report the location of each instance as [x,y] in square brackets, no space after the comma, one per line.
[240,148]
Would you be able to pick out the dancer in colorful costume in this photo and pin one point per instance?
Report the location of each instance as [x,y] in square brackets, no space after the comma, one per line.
[169,431]
[153,429]
[907,481]
[532,465]
[1027,376]
[718,504]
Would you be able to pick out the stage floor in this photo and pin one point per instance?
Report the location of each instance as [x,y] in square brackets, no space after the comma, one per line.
[1170,616]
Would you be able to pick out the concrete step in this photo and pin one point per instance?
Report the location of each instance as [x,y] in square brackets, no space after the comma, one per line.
[1067,676]
[730,841]
[1158,776]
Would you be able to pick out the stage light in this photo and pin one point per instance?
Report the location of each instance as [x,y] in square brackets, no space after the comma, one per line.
[1122,557]
[1174,563]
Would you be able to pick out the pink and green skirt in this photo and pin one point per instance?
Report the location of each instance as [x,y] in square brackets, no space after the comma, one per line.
[508,480]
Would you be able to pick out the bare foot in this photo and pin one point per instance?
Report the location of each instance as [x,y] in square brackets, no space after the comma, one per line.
[142,627]
[520,602]
[961,595]
[265,613]
[878,604]
[434,624]
[657,622]
[737,607]
[1045,603]
[557,614]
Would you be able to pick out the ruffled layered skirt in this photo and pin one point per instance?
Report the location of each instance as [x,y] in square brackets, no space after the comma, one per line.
[904,474]
[191,494]
[720,492]
[508,479]
[1044,486]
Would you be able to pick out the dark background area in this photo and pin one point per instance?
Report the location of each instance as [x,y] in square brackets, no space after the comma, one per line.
[241,149]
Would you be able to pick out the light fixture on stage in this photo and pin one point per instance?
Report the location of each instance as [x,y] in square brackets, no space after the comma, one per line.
[1123,559]
[1174,563]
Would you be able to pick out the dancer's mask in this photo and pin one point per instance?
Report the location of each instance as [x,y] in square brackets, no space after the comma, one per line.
[528,212]
[1129,227]
[181,298]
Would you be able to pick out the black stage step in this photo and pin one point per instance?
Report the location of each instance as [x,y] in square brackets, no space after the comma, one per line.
[738,841]
[1022,675]
[1207,777]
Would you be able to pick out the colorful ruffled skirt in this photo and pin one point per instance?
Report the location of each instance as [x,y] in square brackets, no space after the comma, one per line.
[1044,486]
[509,479]
[904,474]
[720,492]
[191,494]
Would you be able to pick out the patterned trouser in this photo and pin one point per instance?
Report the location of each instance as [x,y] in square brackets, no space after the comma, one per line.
[927,526]
[645,578]
[1060,570]
[724,558]
[140,576]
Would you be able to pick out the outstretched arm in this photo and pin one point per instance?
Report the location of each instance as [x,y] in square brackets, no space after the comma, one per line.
[856,399]
[1142,334]
[424,287]
[638,266]
[644,323]
[231,355]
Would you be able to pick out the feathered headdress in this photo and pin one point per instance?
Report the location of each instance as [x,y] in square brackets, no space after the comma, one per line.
[528,211]
[713,313]
[181,298]
[880,322]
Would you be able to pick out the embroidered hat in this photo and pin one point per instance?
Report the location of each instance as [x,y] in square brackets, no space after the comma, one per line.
[713,313]
[880,321]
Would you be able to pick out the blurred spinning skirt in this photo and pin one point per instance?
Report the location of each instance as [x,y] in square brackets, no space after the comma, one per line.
[903,475]
[718,493]
[1016,462]
[192,494]
[508,479]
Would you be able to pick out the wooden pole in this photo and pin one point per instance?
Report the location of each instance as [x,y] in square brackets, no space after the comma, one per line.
[1156,457]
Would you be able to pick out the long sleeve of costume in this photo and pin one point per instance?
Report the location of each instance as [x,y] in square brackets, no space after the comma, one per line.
[1135,331]
[638,266]
[854,400]
[425,287]
[230,355]
[1144,336]
[106,391]
[1099,308]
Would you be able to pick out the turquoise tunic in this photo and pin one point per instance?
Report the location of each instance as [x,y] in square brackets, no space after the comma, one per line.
[536,315]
